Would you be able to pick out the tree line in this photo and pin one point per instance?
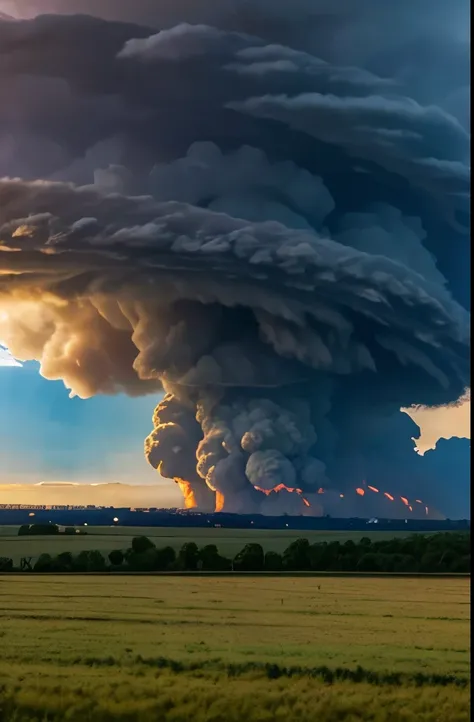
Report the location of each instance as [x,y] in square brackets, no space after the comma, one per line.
[48,529]
[437,553]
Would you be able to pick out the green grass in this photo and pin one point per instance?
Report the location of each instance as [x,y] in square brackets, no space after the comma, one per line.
[175,649]
[229,541]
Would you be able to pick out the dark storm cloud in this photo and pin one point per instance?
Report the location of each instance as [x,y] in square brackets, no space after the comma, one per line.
[297,246]
[316,301]
[137,101]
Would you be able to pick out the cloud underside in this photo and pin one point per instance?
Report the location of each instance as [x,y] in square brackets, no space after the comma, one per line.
[164,283]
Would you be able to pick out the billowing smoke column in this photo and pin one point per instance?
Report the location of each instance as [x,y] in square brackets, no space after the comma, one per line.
[261,209]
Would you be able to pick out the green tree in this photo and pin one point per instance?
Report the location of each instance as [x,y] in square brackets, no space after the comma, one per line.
[430,561]
[116,557]
[273,562]
[64,562]
[461,565]
[43,529]
[296,557]
[335,552]
[89,561]
[143,561]
[391,546]
[81,562]
[348,563]
[414,545]
[24,530]
[188,557]
[370,562]
[44,563]
[152,560]
[165,559]
[96,562]
[209,557]
[404,563]
[250,559]
[319,557]
[212,561]
[141,544]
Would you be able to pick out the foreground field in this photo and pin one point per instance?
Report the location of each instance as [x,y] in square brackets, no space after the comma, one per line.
[228,541]
[175,649]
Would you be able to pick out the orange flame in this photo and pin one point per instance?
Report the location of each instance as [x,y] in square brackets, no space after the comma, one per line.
[389,496]
[187,492]
[279,487]
[360,491]
[282,487]
[405,501]
[219,501]
[372,488]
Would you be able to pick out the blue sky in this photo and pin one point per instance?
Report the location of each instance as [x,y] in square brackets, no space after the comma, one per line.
[46,436]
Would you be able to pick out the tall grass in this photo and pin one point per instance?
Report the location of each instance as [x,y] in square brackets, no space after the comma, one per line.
[184,697]
[149,649]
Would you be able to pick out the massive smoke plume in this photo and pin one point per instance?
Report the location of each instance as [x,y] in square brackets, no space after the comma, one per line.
[259,208]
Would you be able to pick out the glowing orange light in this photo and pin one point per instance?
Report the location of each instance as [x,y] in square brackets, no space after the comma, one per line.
[389,496]
[372,488]
[279,487]
[187,492]
[405,500]
[219,501]
[321,491]
[360,491]
[411,508]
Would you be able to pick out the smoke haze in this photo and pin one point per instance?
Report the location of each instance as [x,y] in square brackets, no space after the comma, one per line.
[260,210]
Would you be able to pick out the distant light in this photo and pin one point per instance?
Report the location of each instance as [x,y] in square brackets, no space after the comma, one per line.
[115,519]
[85,523]
[32,514]
[286,524]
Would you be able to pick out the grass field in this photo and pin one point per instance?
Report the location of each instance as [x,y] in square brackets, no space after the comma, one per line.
[151,649]
[229,541]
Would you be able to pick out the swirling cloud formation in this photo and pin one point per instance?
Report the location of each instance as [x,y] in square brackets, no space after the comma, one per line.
[261,209]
